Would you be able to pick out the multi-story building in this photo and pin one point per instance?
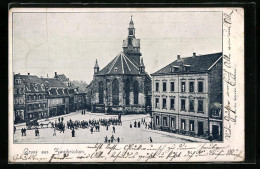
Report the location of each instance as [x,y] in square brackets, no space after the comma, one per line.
[187,96]
[19,99]
[32,96]
[77,97]
[58,96]
[122,86]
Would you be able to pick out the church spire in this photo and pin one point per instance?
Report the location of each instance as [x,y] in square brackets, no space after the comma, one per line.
[96,67]
[131,29]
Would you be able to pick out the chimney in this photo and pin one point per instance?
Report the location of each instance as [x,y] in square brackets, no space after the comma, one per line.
[28,73]
[178,57]
[194,54]
[55,74]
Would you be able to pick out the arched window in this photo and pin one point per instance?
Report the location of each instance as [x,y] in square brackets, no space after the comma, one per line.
[115,92]
[101,93]
[136,91]
[127,92]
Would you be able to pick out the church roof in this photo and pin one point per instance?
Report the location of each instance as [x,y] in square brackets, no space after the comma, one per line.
[121,64]
[196,64]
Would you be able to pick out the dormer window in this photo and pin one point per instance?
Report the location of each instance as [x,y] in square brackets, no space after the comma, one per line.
[174,69]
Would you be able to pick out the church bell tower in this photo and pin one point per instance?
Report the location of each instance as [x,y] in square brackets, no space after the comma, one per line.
[131,45]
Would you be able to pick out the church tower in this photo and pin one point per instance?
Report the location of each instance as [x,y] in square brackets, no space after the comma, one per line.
[131,45]
[96,67]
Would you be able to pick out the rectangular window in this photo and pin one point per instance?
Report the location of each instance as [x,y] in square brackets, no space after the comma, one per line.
[165,121]
[182,124]
[172,103]
[191,125]
[172,86]
[200,105]
[164,103]
[191,105]
[183,104]
[200,87]
[164,86]
[182,86]
[157,120]
[191,86]
[157,102]
[173,122]
[157,86]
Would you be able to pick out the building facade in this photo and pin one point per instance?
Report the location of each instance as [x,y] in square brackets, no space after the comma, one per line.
[57,95]
[187,96]
[19,99]
[122,86]
[29,93]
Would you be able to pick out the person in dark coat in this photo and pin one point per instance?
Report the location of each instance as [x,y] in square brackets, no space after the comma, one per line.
[62,119]
[130,125]
[151,140]
[22,132]
[14,129]
[114,129]
[135,124]
[139,124]
[118,139]
[73,132]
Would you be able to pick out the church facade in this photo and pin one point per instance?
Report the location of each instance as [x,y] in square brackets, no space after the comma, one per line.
[122,86]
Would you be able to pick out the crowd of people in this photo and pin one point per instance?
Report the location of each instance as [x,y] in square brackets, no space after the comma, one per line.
[93,125]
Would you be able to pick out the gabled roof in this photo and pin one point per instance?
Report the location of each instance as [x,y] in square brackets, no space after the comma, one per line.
[121,64]
[31,79]
[53,82]
[63,78]
[32,83]
[196,64]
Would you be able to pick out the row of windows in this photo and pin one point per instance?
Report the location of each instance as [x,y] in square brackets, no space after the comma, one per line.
[19,101]
[36,97]
[115,92]
[183,123]
[183,104]
[18,81]
[183,87]
[19,91]
[36,106]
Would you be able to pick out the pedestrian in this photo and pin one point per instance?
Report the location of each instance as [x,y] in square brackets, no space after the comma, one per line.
[118,139]
[59,119]
[73,132]
[62,119]
[14,129]
[22,132]
[54,134]
[144,120]
[107,126]
[112,138]
[36,132]
[114,129]
[130,125]
[139,124]
[151,140]
[135,124]
[91,130]
[146,125]
[106,139]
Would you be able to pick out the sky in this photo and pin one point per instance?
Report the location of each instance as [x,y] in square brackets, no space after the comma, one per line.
[69,43]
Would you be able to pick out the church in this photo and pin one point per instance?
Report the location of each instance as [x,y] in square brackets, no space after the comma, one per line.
[122,86]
